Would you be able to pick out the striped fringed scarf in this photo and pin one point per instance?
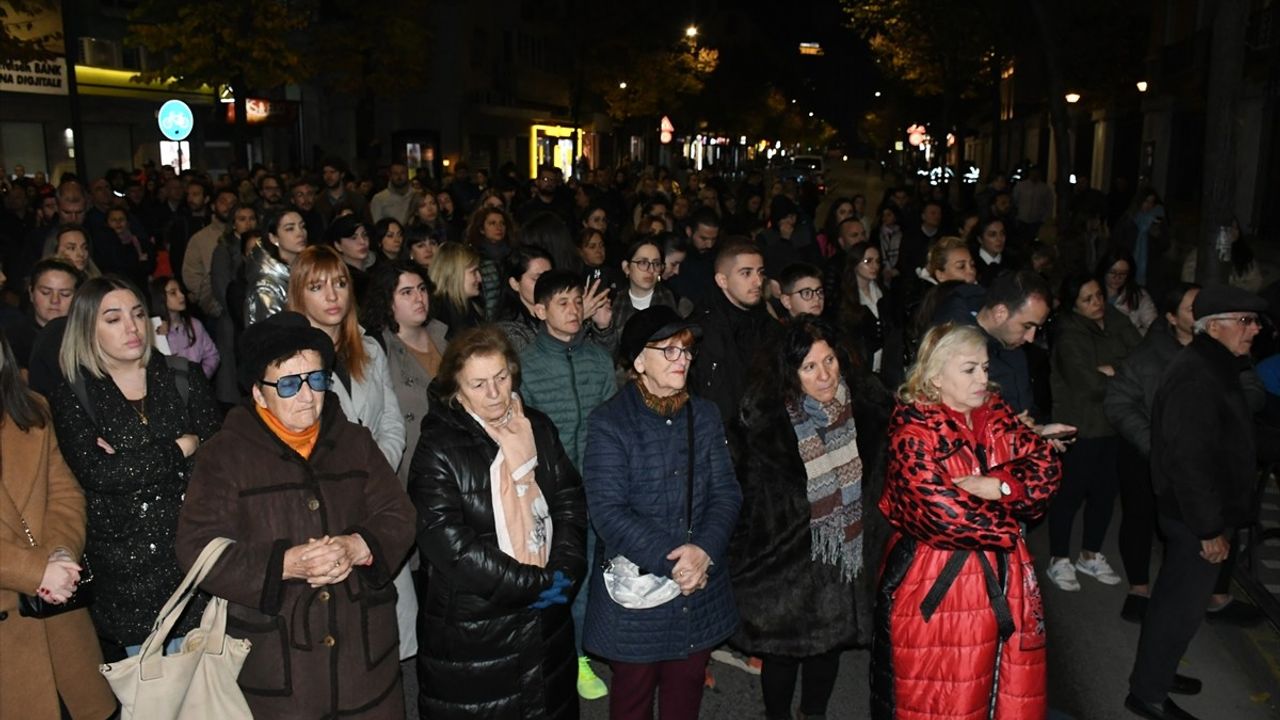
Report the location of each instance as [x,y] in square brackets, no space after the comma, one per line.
[826,437]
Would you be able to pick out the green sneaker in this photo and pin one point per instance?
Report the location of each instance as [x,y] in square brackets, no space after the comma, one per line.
[590,686]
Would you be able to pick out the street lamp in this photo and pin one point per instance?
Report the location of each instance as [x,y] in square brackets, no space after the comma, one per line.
[1142,86]
[878,93]
[1073,98]
[622,85]
[691,32]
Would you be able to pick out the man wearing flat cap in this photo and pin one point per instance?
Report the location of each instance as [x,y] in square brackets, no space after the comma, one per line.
[1203,470]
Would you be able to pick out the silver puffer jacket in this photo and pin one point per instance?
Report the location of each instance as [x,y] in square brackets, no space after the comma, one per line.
[267,280]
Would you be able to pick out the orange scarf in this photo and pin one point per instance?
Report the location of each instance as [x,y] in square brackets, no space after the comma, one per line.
[301,442]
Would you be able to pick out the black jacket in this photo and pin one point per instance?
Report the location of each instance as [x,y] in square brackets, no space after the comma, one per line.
[730,338]
[1132,391]
[484,652]
[1009,369]
[1203,452]
[134,494]
[791,605]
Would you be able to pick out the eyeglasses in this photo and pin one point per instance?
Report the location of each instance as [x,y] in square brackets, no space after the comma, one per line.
[673,352]
[288,385]
[647,264]
[1246,320]
[809,293]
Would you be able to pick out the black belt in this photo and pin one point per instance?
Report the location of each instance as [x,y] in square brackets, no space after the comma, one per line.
[993,583]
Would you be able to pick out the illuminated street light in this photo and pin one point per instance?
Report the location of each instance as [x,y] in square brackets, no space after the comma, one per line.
[793,101]
[622,85]
[878,93]
[1142,86]
[1073,98]
[810,113]
[691,31]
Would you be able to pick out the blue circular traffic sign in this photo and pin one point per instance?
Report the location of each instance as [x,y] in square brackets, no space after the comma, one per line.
[176,120]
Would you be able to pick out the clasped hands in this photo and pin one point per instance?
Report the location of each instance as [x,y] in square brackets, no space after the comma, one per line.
[555,594]
[61,576]
[327,560]
[692,565]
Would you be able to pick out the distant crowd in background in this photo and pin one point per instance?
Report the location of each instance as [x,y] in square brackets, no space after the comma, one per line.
[650,416]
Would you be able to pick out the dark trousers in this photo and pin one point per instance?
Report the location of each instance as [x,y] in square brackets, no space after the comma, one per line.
[1174,615]
[678,684]
[1089,479]
[1137,514]
[778,681]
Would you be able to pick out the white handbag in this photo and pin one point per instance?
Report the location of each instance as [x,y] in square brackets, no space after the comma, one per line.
[199,681]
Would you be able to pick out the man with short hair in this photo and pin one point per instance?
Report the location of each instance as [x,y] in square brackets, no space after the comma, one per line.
[800,290]
[302,199]
[546,198]
[734,323]
[397,199]
[190,219]
[335,196]
[1203,471]
[54,282]
[1010,314]
[197,265]
[270,193]
[567,377]
[71,209]
[695,280]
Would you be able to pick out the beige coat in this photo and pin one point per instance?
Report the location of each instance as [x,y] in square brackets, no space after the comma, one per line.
[42,659]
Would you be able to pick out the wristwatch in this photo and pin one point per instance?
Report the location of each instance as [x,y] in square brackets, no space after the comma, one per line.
[1005,489]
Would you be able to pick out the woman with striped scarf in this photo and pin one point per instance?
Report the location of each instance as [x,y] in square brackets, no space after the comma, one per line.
[807,446]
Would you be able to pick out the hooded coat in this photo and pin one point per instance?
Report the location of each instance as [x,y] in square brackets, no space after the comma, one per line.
[790,604]
[959,624]
[483,651]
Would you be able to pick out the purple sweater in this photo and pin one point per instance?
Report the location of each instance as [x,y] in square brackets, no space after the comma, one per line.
[201,350]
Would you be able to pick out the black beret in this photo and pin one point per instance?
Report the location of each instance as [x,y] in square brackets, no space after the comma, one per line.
[277,338]
[1220,299]
[655,323]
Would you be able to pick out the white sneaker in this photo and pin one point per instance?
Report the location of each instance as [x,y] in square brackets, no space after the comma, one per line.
[1063,574]
[1098,569]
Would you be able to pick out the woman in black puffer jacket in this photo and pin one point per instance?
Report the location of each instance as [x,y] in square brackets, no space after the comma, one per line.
[503,543]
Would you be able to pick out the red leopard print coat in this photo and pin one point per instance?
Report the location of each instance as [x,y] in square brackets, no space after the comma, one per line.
[959,622]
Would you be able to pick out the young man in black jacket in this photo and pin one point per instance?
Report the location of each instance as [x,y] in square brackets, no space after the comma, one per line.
[734,322]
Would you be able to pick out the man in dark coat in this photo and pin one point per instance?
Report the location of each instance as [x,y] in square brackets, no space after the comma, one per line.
[734,323]
[1203,469]
[1009,314]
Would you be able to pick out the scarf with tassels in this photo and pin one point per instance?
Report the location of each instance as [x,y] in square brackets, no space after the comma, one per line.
[826,437]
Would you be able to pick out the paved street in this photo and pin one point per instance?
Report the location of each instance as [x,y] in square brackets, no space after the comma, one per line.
[1090,654]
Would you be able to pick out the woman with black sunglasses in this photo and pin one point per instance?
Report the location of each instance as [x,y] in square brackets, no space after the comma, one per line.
[320,524]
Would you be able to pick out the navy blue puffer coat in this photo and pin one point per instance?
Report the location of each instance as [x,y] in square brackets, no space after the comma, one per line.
[634,471]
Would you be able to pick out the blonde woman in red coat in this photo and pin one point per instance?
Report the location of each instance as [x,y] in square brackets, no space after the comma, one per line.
[959,626]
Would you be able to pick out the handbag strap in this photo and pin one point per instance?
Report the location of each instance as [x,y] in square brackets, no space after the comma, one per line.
[177,602]
[689,476]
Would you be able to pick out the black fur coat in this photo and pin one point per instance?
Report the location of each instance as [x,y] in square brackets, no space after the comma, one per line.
[791,605]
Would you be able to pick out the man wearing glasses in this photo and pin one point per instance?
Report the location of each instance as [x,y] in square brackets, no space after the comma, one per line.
[800,290]
[1203,470]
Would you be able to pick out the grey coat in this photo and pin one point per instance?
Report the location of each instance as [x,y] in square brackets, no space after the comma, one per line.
[409,381]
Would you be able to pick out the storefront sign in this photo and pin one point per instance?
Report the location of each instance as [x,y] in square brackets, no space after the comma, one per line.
[40,24]
[264,112]
[45,77]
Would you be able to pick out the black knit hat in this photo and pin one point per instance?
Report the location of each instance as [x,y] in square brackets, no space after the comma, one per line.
[653,324]
[278,338]
[1220,299]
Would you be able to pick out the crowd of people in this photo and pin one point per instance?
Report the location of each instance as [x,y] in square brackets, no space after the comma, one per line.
[513,427]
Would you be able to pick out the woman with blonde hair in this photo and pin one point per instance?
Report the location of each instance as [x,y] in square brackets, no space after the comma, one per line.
[128,423]
[455,271]
[964,473]
[72,244]
[55,656]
